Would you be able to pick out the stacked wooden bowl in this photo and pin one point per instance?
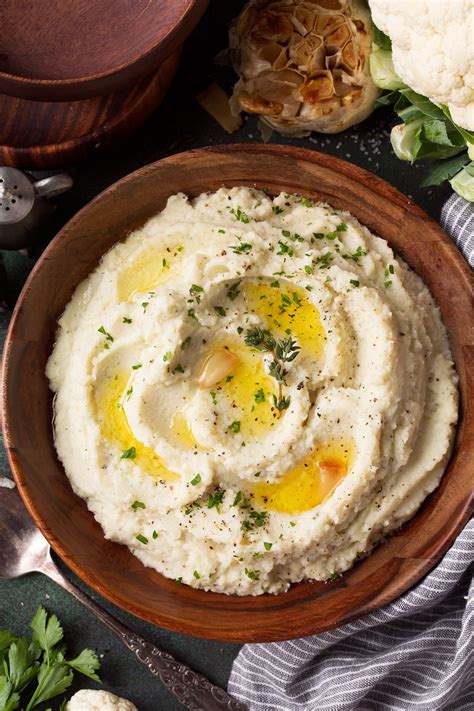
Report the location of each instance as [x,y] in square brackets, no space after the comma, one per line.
[79,74]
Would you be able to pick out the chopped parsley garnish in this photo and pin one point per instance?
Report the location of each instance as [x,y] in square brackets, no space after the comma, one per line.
[308,269]
[196,480]
[331,235]
[267,546]
[235,426]
[190,507]
[238,498]
[292,524]
[179,369]
[195,289]
[252,574]
[233,291]
[277,209]
[355,256]
[221,232]
[138,505]
[192,314]
[241,248]
[387,283]
[220,310]
[285,248]
[129,393]
[215,499]
[294,236]
[196,575]
[256,519]
[335,575]
[355,282]
[154,535]
[324,260]
[240,215]
[108,336]
[389,269]
[257,474]
[318,235]
[342,227]
[142,539]
[213,395]
[306,202]
[179,581]
[137,366]
[185,343]
[126,320]
[296,298]
[129,453]
[145,305]
[240,330]
[275,284]
[167,356]
[260,396]
[165,264]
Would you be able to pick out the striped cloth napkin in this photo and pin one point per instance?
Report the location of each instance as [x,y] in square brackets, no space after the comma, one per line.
[416,653]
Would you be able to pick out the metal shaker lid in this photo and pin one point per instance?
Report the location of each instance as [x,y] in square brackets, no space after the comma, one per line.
[17,195]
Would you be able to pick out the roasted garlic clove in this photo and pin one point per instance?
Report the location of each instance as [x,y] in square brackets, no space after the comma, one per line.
[216,367]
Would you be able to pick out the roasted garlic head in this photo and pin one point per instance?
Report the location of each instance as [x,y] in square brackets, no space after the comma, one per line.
[303,64]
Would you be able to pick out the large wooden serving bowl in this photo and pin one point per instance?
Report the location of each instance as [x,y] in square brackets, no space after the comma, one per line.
[63,517]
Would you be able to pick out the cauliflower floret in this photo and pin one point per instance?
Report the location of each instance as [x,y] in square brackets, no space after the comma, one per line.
[90,700]
[433,50]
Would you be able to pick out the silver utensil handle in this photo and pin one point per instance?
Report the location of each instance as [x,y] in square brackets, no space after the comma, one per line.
[54,185]
[192,689]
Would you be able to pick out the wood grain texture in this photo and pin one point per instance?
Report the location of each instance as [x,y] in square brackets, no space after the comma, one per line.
[44,135]
[51,50]
[71,529]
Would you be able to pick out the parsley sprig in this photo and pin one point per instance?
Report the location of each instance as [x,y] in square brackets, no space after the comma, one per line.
[34,672]
[283,351]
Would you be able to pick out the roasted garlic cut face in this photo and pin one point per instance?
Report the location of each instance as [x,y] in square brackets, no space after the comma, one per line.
[303,64]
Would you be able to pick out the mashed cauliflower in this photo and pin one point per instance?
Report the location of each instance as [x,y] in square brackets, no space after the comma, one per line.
[252,391]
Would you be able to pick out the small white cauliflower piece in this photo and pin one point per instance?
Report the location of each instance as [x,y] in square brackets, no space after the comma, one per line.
[90,700]
[433,50]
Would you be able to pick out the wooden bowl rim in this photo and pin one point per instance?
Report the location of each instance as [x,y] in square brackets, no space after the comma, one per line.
[76,88]
[380,597]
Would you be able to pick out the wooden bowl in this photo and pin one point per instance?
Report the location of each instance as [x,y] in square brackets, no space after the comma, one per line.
[43,135]
[52,50]
[63,517]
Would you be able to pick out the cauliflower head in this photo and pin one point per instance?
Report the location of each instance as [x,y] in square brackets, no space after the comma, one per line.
[90,700]
[433,50]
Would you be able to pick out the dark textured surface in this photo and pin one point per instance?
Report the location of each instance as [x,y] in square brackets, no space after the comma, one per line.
[178,125]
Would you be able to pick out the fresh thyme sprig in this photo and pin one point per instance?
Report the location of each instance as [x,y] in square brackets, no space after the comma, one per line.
[283,351]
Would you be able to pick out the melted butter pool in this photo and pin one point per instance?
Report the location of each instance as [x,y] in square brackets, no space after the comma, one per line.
[249,392]
[286,309]
[114,427]
[181,430]
[309,483]
[149,270]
